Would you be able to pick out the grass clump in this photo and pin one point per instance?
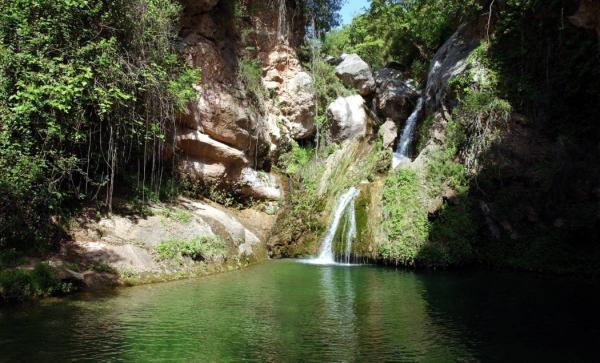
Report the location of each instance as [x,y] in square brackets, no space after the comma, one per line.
[210,249]
[22,285]
[178,215]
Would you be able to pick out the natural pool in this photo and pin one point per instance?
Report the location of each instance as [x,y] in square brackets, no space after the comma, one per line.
[284,311]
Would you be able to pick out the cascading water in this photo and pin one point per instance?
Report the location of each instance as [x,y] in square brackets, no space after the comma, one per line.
[350,229]
[403,146]
[345,205]
[282,23]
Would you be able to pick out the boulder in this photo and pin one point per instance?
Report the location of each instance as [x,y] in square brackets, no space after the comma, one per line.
[333,61]
[354,72]
[211,173]
[388,133]
[395,96]
[297,103]
[259,185]
[349,118]
[226,116]
[449,61]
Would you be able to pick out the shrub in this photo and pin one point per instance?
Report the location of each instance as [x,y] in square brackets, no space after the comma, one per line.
[212,249]
[21,285]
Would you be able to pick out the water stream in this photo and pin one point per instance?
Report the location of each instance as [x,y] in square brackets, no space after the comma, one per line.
[345,207]
[401,155]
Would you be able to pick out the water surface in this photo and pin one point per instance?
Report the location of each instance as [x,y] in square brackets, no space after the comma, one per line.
[285,311]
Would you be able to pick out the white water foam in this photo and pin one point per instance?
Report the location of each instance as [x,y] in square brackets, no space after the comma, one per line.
[326,254]
[403,146]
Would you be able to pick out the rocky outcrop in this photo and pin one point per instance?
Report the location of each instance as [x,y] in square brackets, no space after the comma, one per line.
[230,134]
[449,61]
[388,133]
[395,96]
[295,101]
[126,244]
[348,118]
[356,73]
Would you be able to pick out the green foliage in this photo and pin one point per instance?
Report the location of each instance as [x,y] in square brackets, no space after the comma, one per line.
[250,73]
[405,220]
[88,90]
[481,114]
[443,170]
[406,31]
[322,15]
[210,249]
[21,285]
[178,215]
[295,159]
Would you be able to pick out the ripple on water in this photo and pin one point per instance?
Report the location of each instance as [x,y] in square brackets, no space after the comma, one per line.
[286,311]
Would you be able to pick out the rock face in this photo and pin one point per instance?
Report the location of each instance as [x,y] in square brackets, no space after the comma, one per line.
[395,96]
[126,244]
[349,118]
[388,132]
[228,137]
[449,61]
[295,105]
[356,73]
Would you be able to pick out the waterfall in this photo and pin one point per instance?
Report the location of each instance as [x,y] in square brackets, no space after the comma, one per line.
[350,229]
[282,23]
[403,146]
[344,206]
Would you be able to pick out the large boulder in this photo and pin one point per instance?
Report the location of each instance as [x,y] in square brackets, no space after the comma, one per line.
[395,96]
[349,118]
[449,61]
[355,72]
[259,185]
[297,102]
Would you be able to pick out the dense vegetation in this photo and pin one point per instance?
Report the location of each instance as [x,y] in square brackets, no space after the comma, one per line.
[526,144]
[88,95]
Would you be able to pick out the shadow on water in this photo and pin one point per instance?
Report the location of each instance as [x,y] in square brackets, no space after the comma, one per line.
[285,311]
[505,317]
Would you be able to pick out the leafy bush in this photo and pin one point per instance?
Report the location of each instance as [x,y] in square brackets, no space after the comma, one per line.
[87,88]
[21,285]
[250,73]
[409,32]
[295,159]
[212,249]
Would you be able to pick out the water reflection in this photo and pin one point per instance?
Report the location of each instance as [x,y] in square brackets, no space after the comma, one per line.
[289,312]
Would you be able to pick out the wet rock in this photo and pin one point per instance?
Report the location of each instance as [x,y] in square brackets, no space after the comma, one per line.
[395,96]
[356,73]
[349,118]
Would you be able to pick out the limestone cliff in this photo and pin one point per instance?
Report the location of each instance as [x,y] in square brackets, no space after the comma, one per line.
[231,134]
